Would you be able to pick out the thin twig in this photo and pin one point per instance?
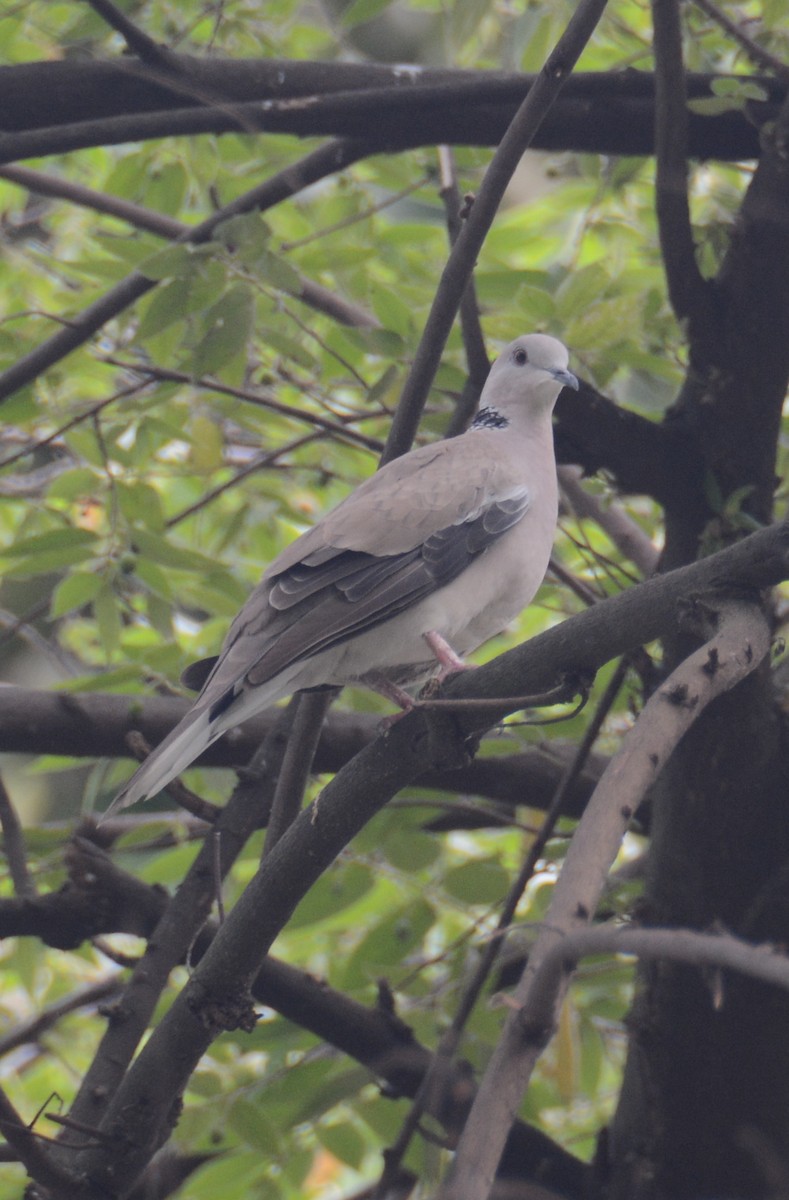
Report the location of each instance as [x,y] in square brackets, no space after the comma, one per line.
[87,415]
[259,398]
[30,1031]
[623,531]
[14,846]
[32,1153]
[756,53]
[477,360]
[138,42]
[257,464]
[309,715]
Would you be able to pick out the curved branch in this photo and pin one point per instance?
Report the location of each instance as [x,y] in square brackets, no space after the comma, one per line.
[677,945]
[644,458]
[736,649]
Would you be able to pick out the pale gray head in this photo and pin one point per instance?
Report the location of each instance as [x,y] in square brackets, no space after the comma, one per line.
[531,370]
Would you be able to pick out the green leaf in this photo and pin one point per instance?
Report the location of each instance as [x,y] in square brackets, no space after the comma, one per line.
[359,11]
[581,290]
[410,849]
[334,891]
[276,270]
[54,539]
[75,591]
[154,578]
[481,882]
[344,1141]
[140,504]
[170,303]
[389,943]
[227,327]
[166,188]
[181,261]
[247,236]
[105,610]
[250,1123]
[48,552]
[170,554]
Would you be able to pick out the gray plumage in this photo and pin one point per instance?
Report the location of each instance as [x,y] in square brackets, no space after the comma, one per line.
[453,538]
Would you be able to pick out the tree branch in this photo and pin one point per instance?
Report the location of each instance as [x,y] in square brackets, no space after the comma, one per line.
[716,950]
[736,649]
[644,458]
[31,1151]
[124,100]
[626,535]
[689,293]
[138,42]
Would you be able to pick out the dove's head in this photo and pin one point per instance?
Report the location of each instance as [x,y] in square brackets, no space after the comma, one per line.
[530,372]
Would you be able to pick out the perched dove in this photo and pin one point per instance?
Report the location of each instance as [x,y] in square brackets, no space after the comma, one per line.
[429,558]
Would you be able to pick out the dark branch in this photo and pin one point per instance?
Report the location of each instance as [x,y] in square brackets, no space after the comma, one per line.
[688,292]
[98,724]
[607,113]
[137,41]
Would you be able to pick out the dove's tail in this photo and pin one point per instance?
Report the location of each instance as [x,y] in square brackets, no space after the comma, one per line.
[182,746]
[198,730]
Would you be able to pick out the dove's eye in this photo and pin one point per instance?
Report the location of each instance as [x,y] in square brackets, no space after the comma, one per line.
[520,357]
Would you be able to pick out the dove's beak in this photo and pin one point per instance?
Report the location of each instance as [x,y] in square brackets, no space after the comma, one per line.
[566,378]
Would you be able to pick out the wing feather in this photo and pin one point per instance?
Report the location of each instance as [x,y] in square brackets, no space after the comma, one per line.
[326,599]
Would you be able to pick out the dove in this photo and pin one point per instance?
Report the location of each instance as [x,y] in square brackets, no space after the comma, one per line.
[430,557]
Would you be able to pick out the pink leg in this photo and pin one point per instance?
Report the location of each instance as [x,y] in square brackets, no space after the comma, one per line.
[445,655]
[379,683]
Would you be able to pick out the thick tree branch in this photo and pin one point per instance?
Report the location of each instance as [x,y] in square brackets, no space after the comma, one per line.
[736,649]
[644,458]
[124,100]
[98,724]
[175,932]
